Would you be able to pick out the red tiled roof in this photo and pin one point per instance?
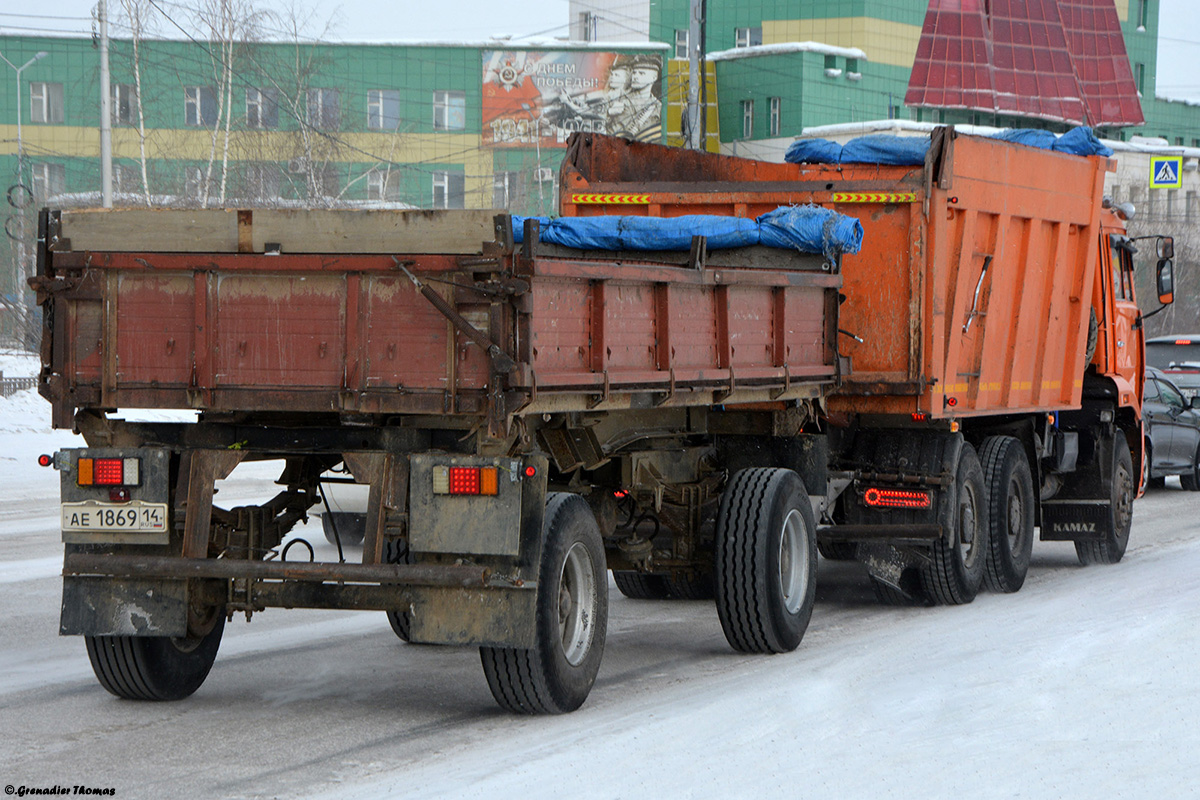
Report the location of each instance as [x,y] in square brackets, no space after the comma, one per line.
[1063,61]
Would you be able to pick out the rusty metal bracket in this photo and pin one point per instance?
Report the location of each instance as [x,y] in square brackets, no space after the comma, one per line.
[596,400]
[787,384]
[722,395]
[670,395]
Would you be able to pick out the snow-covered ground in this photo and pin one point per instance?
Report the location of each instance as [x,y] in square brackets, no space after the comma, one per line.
[1083,685]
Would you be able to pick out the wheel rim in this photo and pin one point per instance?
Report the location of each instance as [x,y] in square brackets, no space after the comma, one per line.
[576,604]
[967,525]
[1146,467]
[793,562]
[1016,513]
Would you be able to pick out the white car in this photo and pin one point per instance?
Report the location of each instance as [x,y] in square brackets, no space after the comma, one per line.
[346,516]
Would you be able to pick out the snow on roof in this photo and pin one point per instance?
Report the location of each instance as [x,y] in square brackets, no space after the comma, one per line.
[786,47]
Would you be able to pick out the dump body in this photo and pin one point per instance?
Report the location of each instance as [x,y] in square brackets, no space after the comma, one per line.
[972,292]
[261,311]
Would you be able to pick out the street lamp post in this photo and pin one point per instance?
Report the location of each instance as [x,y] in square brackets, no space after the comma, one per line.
[20,148]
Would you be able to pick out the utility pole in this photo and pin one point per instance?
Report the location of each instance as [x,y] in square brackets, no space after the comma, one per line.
[694,78]
[105,111]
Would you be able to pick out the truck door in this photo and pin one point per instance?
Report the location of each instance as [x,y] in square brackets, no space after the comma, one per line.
[1127,337]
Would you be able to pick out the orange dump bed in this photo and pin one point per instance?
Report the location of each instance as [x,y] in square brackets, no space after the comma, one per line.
[972,291]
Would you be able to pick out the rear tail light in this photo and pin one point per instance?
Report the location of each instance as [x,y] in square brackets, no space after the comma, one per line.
[466,480]
[107,472]
[897,498]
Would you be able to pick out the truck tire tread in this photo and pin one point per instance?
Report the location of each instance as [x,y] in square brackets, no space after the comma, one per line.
[1005,464]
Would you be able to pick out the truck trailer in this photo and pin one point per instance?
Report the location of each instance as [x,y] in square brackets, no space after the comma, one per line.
[528,415]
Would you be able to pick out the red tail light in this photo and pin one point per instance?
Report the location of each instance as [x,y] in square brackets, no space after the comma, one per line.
[897,498]
[107,472]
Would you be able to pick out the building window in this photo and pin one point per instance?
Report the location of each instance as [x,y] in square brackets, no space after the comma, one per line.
[262,108]
[1139,74]
[449,111]
[587,26]
[1172,196]
[260,181]
[127,179]
[193,182]
[1189,210]
[383,185]
[324,109]
[1143,12]
[1179,141]
[45,102]
[504,189]
[681,43]
[448,189]
[1115,194]
[199,105]
[747,37]
[383,109]
[775,102]
[123,103]
[747,119]
[324,182]
[48,180]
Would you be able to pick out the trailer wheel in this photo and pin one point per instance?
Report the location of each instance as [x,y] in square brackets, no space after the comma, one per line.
[766,561]
[556,674]
[691,587]
[954,575]
[395,551]
[837,551]
[640,585]
[352,528]
[1111,548]
[155,667]
[1010,505]
[1190,480]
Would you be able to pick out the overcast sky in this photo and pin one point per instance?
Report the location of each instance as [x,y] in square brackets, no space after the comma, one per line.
[376,20]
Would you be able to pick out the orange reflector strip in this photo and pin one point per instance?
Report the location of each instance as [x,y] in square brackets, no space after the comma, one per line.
[897,498]
[489,480]
[84,472]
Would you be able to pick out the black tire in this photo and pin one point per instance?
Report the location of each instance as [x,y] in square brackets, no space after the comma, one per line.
[691,587]
[889,595]
[954,575]
[556,674]
[352,528]
[766,561]
[1111,548]
[1190,481]
[1093,336]
[1010,502]
[838,551]
[154,667]
[395,551]
[641,585]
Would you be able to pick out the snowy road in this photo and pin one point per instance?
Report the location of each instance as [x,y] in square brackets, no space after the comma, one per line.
[1085,684]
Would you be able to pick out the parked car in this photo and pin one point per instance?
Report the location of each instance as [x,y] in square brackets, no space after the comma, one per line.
[1172,427]
[347,510]
[1179,358]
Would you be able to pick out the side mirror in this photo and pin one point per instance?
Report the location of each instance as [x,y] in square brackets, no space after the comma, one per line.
[1194,402]
[1166,247]
[1166,281]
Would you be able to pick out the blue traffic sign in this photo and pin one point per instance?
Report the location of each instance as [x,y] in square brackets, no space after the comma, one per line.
[1166,172]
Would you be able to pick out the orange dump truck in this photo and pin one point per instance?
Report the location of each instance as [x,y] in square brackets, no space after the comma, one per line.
[991,347]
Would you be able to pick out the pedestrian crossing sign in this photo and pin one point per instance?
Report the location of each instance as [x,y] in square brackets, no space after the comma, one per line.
[1166,172]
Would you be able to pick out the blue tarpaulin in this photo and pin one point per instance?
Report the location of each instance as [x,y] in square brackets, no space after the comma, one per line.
[910,150]
[810,229]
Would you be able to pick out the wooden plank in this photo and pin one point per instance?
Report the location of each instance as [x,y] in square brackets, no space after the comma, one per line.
[374,231]
[152,230]
[455,231]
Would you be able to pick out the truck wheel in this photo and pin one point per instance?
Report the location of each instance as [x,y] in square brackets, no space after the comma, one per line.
[352,528]
[766,561]
[691,587]
[640,585]
[1111,548]
[1010,505]
[395,551]
[556,674]
[954,575]
[154,667]
[837,551]
[1190,480]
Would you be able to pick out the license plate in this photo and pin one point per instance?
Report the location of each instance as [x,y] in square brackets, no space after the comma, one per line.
[136,516]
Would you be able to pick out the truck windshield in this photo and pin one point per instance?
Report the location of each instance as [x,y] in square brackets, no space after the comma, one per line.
[1172,355]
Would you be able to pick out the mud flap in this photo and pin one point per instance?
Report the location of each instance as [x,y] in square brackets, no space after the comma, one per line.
[95,606]
[1076,520]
